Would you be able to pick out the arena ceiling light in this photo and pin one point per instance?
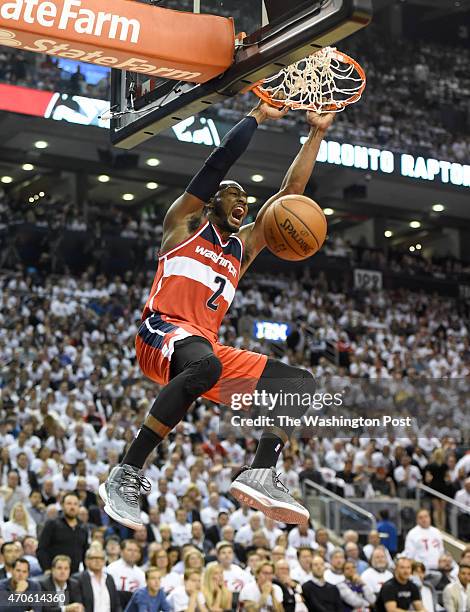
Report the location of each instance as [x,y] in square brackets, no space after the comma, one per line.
[41,144]
[388,233]
[7,180]
[438,207]
[153,161]
[415,224]
[152,185]
[418,247]
[27,167]
[41,194]
[128,197]
[257,178]
[328,212]
[412,249]
[251,200]
[104,178]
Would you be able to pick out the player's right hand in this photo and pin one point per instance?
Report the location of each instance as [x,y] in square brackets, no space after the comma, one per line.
[269,112]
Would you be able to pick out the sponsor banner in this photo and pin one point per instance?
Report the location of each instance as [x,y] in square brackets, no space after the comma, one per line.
[120,34]
[206,131]
[388,162]
[53,105]
[271,330]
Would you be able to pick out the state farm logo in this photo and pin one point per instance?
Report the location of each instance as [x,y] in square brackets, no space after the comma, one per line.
[71,17]
[8,39]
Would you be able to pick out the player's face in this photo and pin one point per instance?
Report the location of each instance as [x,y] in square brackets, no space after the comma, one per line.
[229,209]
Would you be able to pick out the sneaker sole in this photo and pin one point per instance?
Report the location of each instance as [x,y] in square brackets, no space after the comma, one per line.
[114,515]
[281,511]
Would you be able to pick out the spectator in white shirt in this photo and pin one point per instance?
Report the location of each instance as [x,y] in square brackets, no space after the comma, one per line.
[302,572]
[244,536]
[407,477]
[167,515]
[234,451]
[108,441]
[261,594]
[302,535]
[240,517]
[322,538]
[463,496]
[21,445]
[19,525]
[289,476]
[334,574]
[163,490]
[210,513]
[424,543]
[127,575]
[93,465]
[373,541]
[272,531]
[378,573]
[235,577]
[180,528]
[188,597]
[336,457]
[65,480]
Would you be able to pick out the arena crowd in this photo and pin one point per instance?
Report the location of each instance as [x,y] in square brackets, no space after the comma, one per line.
[73,398]
[416,100]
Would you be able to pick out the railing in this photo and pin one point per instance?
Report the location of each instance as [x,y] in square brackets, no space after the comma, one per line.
[456,507]
[340,514]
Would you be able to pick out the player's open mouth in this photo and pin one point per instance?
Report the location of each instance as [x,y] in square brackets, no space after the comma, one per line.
[238,213]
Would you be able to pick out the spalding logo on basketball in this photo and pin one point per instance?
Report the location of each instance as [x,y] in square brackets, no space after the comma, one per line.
[294,227]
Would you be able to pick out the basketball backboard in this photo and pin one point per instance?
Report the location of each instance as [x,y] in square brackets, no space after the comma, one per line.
[278,33]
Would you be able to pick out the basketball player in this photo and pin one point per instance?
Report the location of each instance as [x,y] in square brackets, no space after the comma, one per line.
[204,252]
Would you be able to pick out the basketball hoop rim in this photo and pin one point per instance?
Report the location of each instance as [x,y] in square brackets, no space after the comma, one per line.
[333,107]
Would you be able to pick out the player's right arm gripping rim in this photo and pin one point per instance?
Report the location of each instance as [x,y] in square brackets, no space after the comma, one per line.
[294,182]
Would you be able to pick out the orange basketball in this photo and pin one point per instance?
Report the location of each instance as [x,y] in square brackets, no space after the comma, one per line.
[294,227]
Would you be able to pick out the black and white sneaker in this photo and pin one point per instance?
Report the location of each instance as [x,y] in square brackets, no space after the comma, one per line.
[261,488]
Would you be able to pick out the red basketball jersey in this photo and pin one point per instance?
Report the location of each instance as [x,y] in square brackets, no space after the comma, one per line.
[196,280]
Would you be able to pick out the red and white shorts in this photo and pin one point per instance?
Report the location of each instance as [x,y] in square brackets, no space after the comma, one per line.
[155,344]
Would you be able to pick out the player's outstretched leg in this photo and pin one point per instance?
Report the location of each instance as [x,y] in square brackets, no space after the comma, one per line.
[259,486]
[194,370]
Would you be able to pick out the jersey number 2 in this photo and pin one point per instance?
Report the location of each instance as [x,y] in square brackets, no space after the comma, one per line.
[220,280]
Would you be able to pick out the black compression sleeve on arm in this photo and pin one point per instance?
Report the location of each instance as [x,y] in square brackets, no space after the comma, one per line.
[206,182]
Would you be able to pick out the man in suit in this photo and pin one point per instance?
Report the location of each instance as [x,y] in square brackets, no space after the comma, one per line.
[28,479]
[456,595]
[214,533]
[97,589]
[153,526]
[19,583]
[59,581]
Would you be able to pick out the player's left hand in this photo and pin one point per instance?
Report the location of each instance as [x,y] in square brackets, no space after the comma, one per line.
[321,122]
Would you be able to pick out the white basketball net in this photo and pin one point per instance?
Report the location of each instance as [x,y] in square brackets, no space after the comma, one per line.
[326,81]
